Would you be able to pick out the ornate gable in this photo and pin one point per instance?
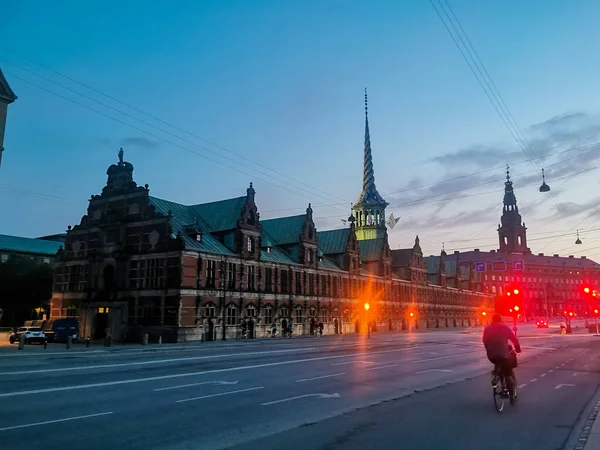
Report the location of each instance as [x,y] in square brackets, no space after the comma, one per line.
[308,246]
[249,229]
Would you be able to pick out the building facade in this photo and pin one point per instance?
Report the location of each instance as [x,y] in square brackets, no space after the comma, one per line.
[549,284]
[41,250]
[7,96]
[138,264]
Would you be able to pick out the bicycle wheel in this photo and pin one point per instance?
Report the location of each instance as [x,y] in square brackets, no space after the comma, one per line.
[498,394]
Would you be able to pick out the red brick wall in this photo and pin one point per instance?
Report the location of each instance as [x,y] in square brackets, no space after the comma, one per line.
[189,272]
[188,311]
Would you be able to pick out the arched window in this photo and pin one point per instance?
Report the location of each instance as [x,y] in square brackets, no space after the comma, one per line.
[505,240]
[250,244]
[519,239]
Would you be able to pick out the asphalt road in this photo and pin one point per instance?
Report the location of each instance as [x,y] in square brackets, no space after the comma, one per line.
[424,390]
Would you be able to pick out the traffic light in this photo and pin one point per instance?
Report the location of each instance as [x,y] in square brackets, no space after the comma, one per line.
[367,306]
[595,312]
[483,313]
[513,302]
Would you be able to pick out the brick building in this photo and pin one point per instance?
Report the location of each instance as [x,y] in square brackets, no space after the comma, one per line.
[41,250]
[139,264]
[550,284]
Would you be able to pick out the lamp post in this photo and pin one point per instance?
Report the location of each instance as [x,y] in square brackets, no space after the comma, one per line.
[367,306]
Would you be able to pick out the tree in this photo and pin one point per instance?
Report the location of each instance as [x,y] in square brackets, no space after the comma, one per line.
[24,286]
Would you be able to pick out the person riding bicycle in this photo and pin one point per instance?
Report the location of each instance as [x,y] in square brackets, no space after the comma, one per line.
[495,339]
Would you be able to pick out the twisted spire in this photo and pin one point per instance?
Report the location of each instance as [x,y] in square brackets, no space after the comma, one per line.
[369,191]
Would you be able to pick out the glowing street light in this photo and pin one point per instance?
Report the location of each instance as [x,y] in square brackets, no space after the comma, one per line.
[367,306]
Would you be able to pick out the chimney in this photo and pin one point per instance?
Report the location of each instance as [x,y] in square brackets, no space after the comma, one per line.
[492,251]
[456,252]
[583,257]
[556,255]
[571,256]
[540,254]
[476,250]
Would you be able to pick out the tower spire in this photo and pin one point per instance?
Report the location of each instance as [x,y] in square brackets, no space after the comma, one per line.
[369,192]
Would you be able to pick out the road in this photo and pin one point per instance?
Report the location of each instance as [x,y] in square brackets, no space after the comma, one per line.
[422,390]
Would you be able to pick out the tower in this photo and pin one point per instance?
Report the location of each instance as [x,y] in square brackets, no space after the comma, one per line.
[7,96]
[512,233]
[369,210]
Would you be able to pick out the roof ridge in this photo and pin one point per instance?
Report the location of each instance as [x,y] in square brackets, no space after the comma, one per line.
[219,201]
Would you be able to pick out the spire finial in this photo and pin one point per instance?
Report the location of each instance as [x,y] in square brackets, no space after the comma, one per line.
[508,173]
[366,104]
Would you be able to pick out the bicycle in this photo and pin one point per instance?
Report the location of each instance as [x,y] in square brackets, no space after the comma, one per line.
[500,390]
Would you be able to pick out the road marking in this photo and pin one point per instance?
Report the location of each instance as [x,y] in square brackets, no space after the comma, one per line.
[558,386]
[522,386]
[382,367]
[55,421]
[353,362]
[579,373]
[336,395]
[533,380]
[543,375]
[192,374]
[217,383]
[220,394]
[551,370]
[443,357]
[157,361]
[434,370]
[321,377]
[539,348]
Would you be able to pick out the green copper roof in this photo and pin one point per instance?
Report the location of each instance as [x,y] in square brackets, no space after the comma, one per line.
[285,230]
[183,216]
[329,265]
[333,241]
[222,215]
[28,245]
[370,249]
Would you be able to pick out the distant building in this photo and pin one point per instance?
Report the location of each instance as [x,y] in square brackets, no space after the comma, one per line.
[7,96]
[550,284]
[138,264]
[42,251]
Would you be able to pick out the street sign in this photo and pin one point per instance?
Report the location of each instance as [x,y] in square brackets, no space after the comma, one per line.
[480,267]
[518,264]
[499,265]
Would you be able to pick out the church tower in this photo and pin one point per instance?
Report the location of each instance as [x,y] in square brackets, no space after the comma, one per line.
[512,233]
[369,210]
[7,96]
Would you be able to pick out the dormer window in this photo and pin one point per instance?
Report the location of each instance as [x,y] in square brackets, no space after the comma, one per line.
[199,237]
[249,245]
[268,249]
[309,256]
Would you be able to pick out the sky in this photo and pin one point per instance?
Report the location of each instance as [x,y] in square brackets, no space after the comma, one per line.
[208,96]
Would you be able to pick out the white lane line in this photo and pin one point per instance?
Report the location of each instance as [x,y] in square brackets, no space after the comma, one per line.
[557,367]
[558,386]
[522,386]
[539,348]
[321,377]
[352,362]
[443,357]
[382,367]
[192,374]
[157,361]
[551,370]
[434,370]
[218,383]
[55,421]
[335,395]
[220,394]
[543,375]
[533,380]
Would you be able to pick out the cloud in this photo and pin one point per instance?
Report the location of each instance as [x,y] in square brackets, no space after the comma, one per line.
[139,142]
[570,209]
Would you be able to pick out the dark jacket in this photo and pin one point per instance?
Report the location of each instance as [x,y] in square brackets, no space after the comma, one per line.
[495,340]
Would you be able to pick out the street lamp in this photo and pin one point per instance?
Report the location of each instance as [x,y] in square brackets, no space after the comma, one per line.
[367,307]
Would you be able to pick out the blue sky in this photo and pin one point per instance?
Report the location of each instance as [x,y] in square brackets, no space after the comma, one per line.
[281,84]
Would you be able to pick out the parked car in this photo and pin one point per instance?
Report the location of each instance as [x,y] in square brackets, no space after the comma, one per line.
[32,334]
[542,324]
[59,330]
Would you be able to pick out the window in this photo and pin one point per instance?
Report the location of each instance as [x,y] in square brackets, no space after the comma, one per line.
[312,312]
[251,278]
[211,273]
[285,312]
[4,257]
[285,281]
[154,272]
[268,311]
[311,283]
[310,255]
[250,245]
[323,315]
[298,315]
[268,279]
[251,311]
[71,312]
[231,275]
[209,310]
[323,285]
[45,260]
[298,283]
[231,315]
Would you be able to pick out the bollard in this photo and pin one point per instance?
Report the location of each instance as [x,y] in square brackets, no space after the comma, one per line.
[69,341]
[108,341]
[160,339]
[45,343]
[87,342]
[145,339]
[21,342]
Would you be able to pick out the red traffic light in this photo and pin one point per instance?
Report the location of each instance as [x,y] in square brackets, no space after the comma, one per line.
[586,290]
[571,314]
[596,311]
[484,314]
[516,292]
[516,308]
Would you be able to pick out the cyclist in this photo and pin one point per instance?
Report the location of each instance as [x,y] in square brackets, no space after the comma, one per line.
[495,339]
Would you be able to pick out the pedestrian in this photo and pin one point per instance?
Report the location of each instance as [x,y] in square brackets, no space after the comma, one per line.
[321,326]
